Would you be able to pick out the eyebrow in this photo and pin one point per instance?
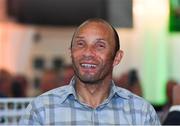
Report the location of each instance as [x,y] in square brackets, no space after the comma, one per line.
[100,39]
[79,37]
[82,37]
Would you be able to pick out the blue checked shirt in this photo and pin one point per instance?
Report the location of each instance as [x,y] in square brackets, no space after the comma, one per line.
[61,106]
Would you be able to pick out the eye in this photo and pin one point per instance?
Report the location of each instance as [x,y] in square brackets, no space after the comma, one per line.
[100,45]
[79,43]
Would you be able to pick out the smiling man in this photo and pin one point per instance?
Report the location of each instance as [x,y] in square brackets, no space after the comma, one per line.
[91,98]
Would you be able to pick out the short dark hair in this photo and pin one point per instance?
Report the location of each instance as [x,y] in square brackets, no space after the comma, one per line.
[116,36]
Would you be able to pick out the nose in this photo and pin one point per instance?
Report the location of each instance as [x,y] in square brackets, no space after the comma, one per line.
[89,52]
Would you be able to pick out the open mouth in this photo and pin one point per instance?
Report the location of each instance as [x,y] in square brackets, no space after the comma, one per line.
[86,65]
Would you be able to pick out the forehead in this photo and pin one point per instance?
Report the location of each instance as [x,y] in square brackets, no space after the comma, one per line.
[96,28]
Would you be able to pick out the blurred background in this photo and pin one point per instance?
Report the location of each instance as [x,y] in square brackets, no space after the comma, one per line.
[35,36]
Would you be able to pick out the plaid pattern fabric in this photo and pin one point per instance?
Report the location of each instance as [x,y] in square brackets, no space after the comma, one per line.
[60,106]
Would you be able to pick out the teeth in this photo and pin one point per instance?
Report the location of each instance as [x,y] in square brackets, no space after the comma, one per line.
[88,65]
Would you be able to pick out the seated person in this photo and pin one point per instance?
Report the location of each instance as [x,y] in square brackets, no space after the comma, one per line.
[173,117]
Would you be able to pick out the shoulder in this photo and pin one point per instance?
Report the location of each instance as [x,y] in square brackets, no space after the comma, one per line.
[57,95]
[57,92]
[140,108]
[133,100]
[35,112]
[129,95]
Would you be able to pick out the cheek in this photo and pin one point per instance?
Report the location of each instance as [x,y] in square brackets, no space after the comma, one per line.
[75,57]
[107,56]
[106,60]
[73,54]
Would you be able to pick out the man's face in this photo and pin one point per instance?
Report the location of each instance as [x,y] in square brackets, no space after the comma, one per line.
[92,52]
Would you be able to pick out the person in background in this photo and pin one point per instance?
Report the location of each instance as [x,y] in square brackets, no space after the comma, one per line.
[122,80]
[49,80]
[173,117]
[91,98]
[19,86]
[68,73]
[5,83]
[130,80]
[134,82]
[169,94]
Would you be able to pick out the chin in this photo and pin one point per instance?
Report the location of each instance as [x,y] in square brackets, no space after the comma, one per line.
[88,80]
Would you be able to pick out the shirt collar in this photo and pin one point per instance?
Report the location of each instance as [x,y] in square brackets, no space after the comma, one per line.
[123,93]
[70,90]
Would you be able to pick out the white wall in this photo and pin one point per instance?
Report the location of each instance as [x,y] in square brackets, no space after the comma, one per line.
[15,46]
[174,60]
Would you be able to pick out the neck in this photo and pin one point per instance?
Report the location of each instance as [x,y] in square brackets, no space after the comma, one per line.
[93,94]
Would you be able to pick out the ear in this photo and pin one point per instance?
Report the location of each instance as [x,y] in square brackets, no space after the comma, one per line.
[118,57]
